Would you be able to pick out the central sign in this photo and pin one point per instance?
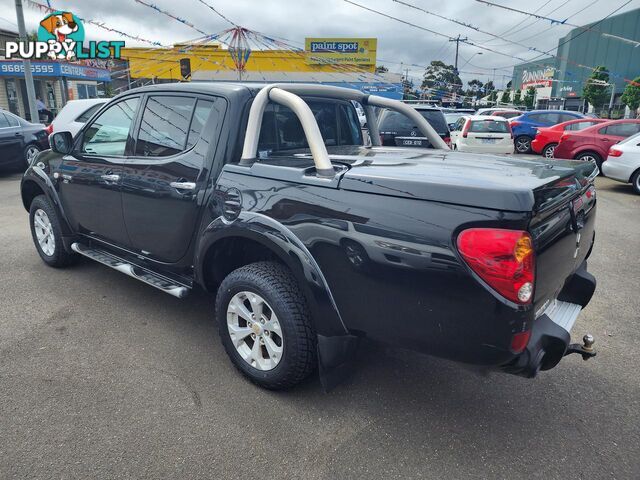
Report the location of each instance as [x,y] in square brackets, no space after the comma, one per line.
[342,51]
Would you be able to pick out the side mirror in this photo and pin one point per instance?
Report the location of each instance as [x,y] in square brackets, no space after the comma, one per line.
[61,142]
[452,126]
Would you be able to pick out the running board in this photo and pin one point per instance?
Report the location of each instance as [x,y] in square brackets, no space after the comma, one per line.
[110,260]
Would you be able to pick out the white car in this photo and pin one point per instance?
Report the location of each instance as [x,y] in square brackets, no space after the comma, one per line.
[623,162]
[482,134]
[75,114]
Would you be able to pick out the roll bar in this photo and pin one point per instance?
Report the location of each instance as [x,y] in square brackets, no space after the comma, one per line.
[288,94]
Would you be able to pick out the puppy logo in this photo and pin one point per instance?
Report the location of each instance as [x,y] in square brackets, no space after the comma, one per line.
[63,28]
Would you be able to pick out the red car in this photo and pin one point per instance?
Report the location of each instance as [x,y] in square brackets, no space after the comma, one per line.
[548,138]
[593,143]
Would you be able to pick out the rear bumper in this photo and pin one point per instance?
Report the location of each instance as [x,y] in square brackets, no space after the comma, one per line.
[617,171]
[550,335]
[497,148]
[537,145]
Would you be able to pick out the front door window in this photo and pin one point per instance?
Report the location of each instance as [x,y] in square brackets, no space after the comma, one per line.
[108,134]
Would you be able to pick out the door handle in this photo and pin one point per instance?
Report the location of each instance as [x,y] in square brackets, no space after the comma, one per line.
[110,178]
[183,185]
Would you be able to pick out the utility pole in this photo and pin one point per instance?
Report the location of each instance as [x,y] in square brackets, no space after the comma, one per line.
[28,75]
[457,40]
[613,94]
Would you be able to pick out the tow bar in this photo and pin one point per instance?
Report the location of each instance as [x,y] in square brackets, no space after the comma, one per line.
[586,349]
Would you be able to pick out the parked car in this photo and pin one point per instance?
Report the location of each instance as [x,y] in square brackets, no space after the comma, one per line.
[203,195]
[547,138]
[20,141]
[482,134]
[397,129]
[453,117]
[75,114]
[623,162]
[508,114]
[593,143]
[525,126]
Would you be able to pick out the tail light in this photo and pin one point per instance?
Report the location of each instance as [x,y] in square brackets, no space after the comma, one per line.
[49,129]
[615,152]
[504,259]
[465,130]
[510,130]
[519,341]
[515,123]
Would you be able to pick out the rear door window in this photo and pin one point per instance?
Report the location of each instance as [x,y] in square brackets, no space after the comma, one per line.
[13,121]
[579,125]
[4,122]
[165,126]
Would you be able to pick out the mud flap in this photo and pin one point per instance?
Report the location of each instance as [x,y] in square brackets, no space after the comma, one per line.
[335,359]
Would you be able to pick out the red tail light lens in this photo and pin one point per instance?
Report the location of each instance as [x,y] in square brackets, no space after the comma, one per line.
[505,259]
[49,129]
[465,130]
[615,152]
[514,124]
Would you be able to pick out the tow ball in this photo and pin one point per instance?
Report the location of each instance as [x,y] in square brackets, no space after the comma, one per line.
[586,349]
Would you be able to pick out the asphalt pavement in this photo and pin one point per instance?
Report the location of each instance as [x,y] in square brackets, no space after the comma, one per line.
[104,377]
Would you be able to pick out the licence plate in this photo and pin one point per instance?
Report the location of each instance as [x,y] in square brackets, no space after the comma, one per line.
[409,142]
[489,140]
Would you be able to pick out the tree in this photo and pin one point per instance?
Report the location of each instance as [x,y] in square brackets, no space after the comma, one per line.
[381,69]
[493,96]
[440,76]
[631,95]
[489,87]
[509,85]
[517,98]
[506,97]
[529,97]
[475,86]
[596,88]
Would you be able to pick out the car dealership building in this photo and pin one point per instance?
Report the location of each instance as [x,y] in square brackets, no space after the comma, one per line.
[613,43]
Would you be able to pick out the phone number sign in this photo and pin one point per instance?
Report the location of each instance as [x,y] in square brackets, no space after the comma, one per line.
[54,69]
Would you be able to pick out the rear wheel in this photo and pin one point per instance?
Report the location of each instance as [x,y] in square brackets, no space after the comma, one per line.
[547,152]
[635,182]
[265,326]
[590,157]
[523,144]
[30,152]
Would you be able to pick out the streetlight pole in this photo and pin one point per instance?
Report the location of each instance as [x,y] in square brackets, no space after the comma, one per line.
[28,75]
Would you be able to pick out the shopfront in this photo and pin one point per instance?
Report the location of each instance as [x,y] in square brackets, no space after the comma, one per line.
[55,84]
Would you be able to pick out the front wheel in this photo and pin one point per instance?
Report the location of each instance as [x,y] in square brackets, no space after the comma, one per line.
[265,326]
[47,233]
[523,144]
[549,150]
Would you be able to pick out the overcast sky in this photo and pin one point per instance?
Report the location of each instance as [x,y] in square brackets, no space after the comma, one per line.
[297,19]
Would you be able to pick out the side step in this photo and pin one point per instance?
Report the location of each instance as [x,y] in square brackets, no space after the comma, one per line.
[110,260]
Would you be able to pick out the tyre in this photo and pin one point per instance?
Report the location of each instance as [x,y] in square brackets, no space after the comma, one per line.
[635,182]
[547,151]
[523,144]
[30,152]
[265,326]
[591,157]
[47,233]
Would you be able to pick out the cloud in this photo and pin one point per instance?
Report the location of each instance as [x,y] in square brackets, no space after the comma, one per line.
[297,19]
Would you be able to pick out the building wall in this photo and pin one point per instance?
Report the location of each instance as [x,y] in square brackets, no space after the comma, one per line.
[164,64]
[586,47]
[591,48]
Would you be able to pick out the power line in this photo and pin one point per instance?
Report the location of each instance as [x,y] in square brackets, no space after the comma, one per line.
[217,12]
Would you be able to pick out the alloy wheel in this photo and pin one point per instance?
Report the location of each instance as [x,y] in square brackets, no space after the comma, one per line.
[549,151]
[255,330]
[523,145]
[31,153]
[44,232]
